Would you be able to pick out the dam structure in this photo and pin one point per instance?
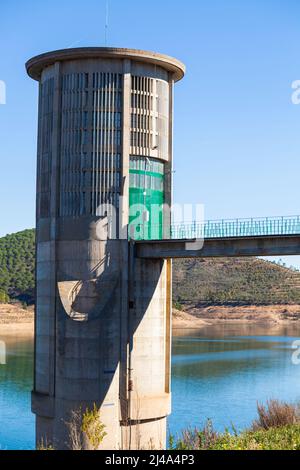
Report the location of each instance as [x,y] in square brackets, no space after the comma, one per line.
[104,178]
[105,242]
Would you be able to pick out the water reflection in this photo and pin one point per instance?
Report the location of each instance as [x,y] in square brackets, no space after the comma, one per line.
[218,372]
[222,371]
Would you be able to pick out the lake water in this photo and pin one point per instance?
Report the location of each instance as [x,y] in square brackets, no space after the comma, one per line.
[218,372]
[16,420]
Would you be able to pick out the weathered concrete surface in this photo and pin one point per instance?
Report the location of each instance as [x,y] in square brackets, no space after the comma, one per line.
[83,357]
[103,318]
[220,247]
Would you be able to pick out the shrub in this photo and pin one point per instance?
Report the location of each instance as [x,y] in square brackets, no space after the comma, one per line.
[280,438]
[4,297]
[276,428]
[93,427]
[177,305]
[196,439]
[275,414]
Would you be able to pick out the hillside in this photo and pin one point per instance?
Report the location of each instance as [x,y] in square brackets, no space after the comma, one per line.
[210,281]
[234,280]
[17,254]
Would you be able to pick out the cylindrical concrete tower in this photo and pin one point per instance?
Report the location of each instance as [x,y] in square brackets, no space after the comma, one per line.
[103,318]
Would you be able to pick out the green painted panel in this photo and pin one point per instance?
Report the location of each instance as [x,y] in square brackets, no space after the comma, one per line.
[146,198]
[150,227]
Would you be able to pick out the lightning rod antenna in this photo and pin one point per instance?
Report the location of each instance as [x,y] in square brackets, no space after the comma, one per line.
[106,21]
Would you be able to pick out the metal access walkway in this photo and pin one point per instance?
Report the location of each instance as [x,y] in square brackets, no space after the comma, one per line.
[260,226]
[263,236]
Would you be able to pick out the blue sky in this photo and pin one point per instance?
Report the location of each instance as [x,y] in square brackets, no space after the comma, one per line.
[237,133]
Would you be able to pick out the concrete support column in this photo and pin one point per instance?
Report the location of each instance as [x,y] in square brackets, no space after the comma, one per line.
[103,317]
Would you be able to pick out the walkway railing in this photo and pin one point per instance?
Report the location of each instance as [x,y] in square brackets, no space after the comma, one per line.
[261,226]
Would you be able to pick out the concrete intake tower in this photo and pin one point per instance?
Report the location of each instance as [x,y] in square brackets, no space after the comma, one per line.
[104,178]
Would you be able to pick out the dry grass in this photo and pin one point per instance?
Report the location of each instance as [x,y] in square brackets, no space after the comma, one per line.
[275,414]
[196,438]
[75,432]
[15,314]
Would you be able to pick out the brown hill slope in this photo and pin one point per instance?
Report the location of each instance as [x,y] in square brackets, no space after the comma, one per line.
[234,280]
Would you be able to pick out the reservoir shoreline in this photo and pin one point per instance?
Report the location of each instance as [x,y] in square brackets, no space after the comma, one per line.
[15,320]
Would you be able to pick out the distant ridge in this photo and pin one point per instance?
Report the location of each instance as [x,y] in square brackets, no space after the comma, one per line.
[248,281]
[210,281]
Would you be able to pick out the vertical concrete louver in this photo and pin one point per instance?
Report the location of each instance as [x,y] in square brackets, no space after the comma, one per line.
[103,318]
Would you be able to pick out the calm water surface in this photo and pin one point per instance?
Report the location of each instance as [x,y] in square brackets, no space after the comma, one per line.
[16,420]
[218,372]
[221,371]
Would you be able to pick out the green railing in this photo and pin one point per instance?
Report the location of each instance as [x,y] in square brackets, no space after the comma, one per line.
[261,226]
